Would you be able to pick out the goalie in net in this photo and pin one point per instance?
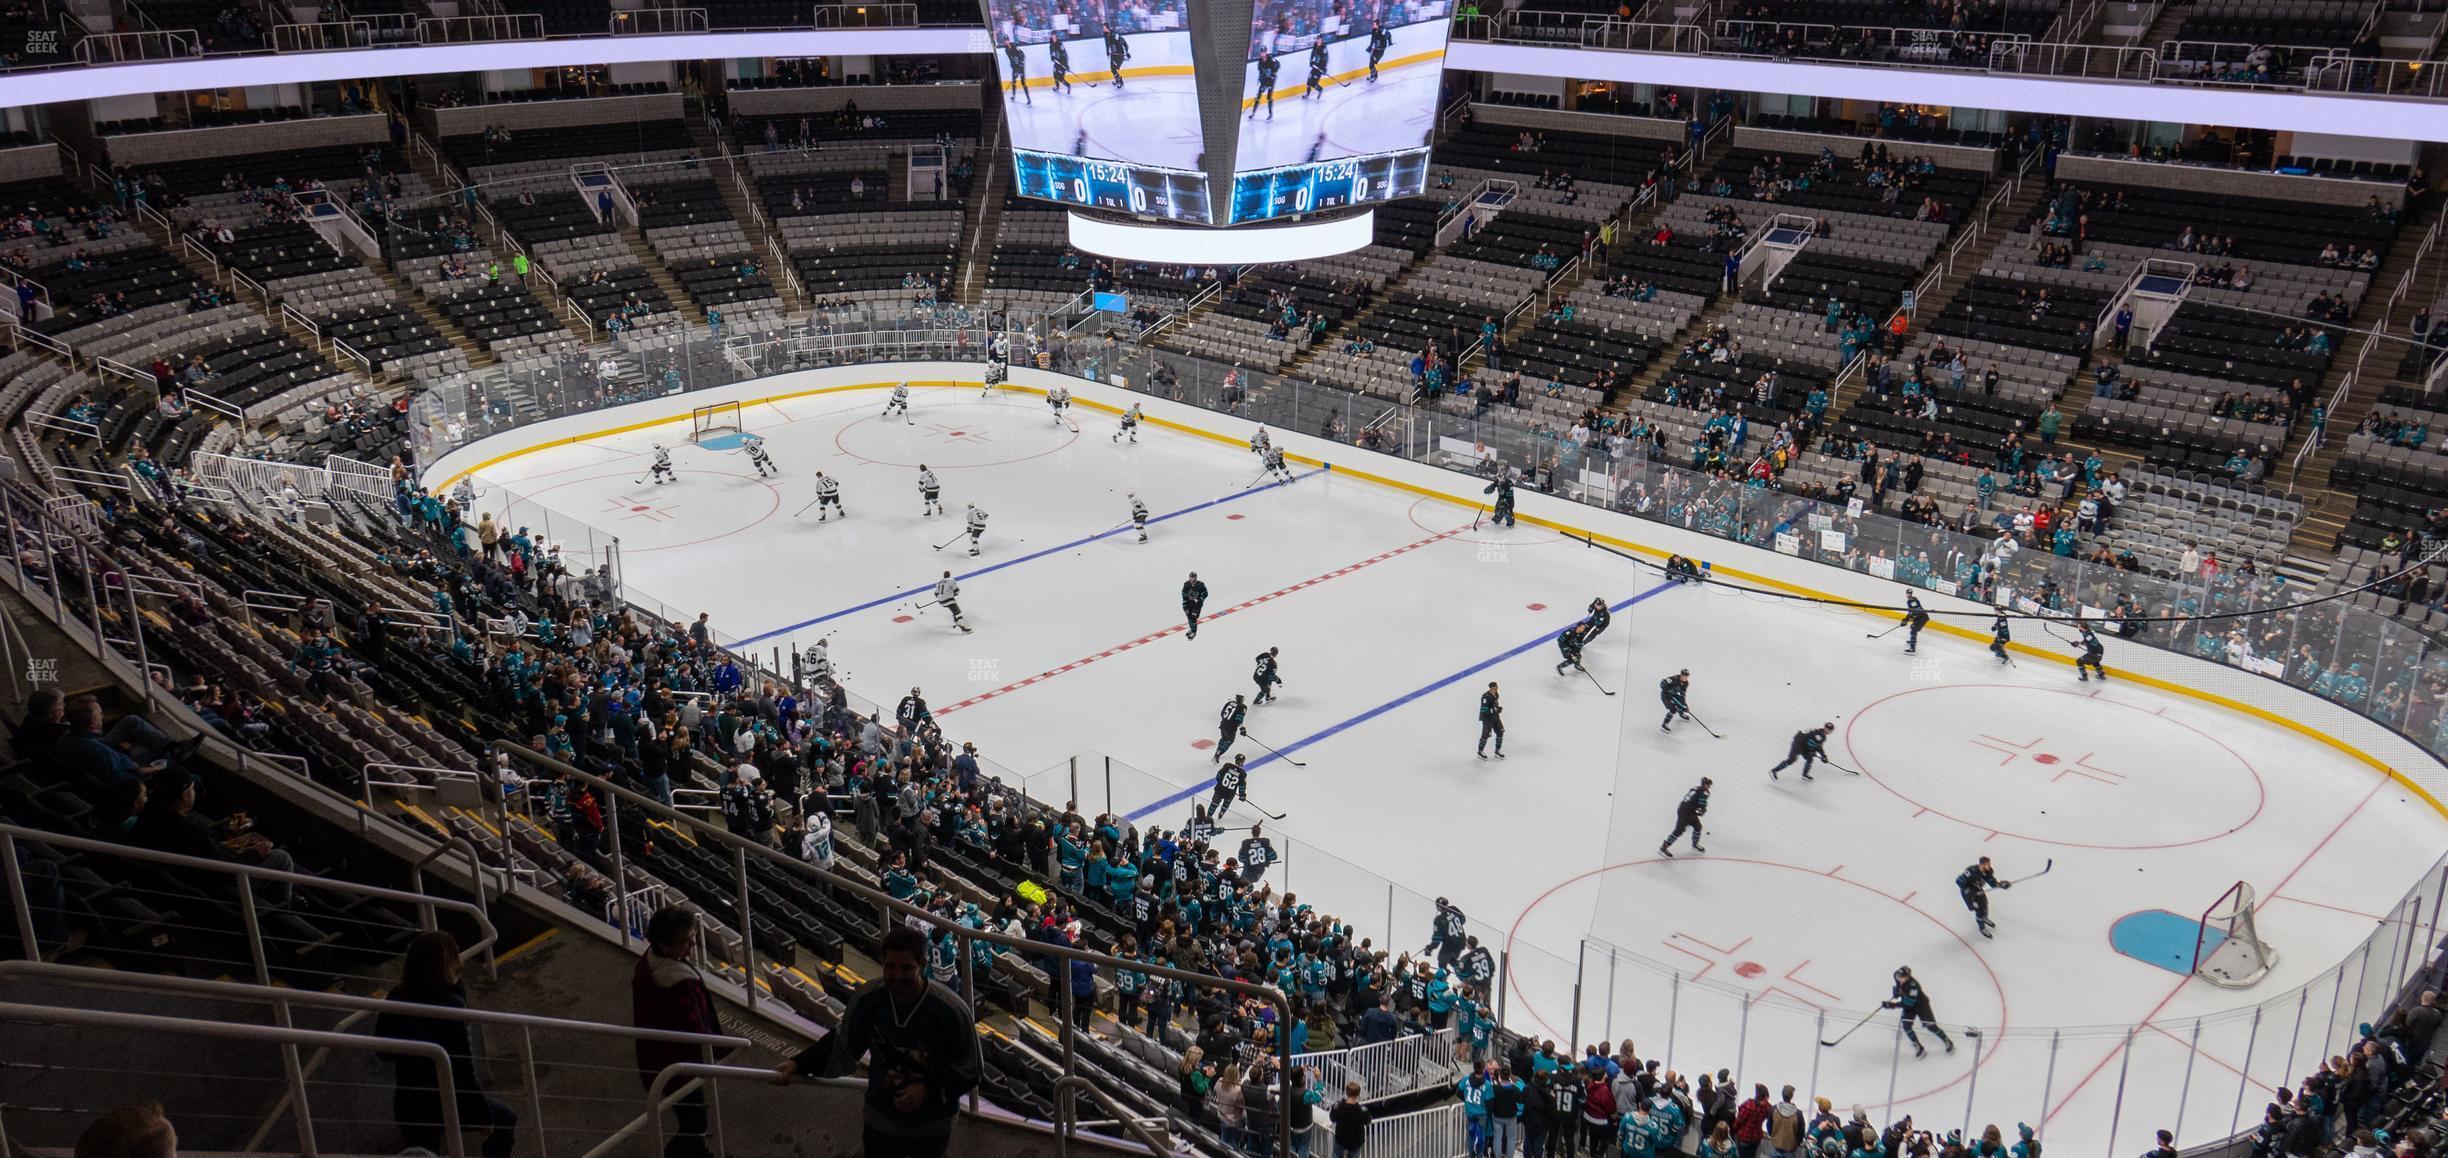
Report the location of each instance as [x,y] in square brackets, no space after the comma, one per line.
[2229,950]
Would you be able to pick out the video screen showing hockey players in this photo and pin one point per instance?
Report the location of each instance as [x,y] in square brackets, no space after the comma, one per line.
[1330,83]
[1091,84]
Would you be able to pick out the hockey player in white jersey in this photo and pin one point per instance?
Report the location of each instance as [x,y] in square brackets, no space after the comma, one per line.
[828,496]
[662,471]
[930,492]
[899,402]
[1261,442]
[817,661]
[977,527]
[1059,399]
[947,590]
[1139,516]
[757,457]
[1275,464]
[998,362]
[1130,424]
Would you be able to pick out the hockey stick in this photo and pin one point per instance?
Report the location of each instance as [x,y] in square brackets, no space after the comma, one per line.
[2044,871]
[1262,477]
[1882,634]
[1848,1033]
[1837,766]
[803,510]
[1477,513]
[948,542]
[1271,748]
[1253,804]
[1592,679]
[1703,725]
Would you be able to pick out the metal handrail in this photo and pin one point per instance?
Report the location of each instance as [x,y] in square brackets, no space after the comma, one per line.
[895,15]
[239,990]
[657,21]
[10,834]
[663,1091]
[1066,1114]
[364,364]
[322,36]
[479,29]
[888,908]
[150,44]
[13,279]
[197,397]
[114,366]
[197,249]
[18,333]
[446,1086]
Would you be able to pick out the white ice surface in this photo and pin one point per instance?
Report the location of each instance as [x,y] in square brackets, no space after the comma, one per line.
[1384,603]
[1354,117]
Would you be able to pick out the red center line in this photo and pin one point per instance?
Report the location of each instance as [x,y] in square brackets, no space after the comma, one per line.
[2171,994]
[1152,637]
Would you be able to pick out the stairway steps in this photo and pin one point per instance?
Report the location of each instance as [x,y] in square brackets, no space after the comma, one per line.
[2328,510]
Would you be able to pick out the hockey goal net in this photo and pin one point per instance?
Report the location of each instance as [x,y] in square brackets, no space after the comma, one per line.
[710,421]
[2228,950]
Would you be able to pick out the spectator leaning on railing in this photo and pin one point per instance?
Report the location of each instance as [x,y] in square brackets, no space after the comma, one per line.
[920,1042]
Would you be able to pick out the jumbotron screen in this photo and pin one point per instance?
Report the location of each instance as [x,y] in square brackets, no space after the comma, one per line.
[1339,104]
[1101,104]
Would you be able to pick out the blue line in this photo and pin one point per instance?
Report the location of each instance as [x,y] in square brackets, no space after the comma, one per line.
[989,570]
[1385,707]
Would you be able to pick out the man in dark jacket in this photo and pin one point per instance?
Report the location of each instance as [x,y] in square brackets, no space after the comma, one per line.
[667,992]
[920,1040]
[1380,1024]
[1351,1121]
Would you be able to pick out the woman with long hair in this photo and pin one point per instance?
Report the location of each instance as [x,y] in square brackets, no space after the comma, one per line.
[430,976]
[1231,1109]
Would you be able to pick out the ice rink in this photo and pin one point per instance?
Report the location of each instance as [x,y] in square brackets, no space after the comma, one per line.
[1152,119]
[1393,613]
[1355,117]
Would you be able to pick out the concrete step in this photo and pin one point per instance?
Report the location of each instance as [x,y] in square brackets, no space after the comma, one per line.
[729,172]
[983,214]
[689,310]
[2379,371]
[476,354]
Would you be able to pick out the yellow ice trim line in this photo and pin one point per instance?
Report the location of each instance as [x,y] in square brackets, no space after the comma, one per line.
[1346,77]
[650,423]
[1839,601]
[1096,74]
[2208,697]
